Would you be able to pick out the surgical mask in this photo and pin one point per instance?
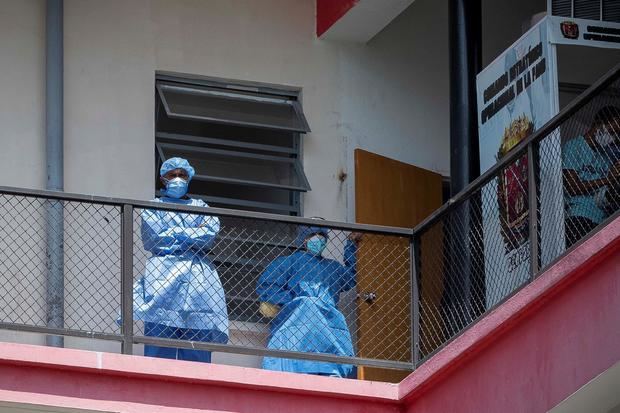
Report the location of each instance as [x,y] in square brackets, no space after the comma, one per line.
[316,245]
[603,137]
[176,188]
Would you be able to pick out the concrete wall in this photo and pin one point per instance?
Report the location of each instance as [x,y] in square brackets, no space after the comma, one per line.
[377,95]
[73,379]
[396,100]
[22,160]
[389,96]
[22,100]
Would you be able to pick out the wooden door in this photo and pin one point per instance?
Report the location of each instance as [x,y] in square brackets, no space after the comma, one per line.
[388,192]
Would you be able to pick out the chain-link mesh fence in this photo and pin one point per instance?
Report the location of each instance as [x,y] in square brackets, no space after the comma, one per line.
[270,285]
[59,264]
[521,216]
[222,280]
[591,161]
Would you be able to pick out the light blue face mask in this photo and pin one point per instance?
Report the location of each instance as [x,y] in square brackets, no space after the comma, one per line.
[176,188]
[316,244]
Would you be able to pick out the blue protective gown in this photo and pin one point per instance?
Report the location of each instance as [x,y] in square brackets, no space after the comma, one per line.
[307,288]
[181,288]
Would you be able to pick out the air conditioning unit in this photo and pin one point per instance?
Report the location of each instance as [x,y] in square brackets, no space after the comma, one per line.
[604,10]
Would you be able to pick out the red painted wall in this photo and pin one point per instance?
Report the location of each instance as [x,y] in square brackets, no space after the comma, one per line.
[329,12]
[536,349]
[81,390]
[132,384]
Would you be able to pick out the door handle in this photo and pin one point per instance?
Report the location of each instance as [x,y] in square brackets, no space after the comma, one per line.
[369,297]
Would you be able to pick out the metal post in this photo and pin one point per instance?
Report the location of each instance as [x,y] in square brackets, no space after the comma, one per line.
[414,265]
[55,280]
[532,179]
[465,61]
[54,94]
[54,154]
[127,278]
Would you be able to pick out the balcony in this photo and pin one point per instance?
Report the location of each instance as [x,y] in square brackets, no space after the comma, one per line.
[74,267]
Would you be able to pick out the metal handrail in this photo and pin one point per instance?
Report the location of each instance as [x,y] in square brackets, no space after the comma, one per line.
[221,212]
[528,147]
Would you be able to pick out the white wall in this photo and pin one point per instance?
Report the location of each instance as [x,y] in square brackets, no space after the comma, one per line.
[22,157]
[388,96]
[22,93]
[396,97]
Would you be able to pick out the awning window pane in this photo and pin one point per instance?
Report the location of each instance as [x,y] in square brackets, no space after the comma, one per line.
[235,108]
[240,167]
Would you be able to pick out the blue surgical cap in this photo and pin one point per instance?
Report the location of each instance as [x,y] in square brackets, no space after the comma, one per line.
[176,163]
[304,232]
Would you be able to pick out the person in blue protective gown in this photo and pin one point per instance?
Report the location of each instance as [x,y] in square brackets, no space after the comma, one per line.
[300,292]
[180,295]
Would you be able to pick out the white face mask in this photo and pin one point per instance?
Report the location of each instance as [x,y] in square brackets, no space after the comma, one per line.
[176,187]
[603,137]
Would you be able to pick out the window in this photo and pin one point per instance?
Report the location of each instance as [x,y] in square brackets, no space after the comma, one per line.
[237,108]
[244,141]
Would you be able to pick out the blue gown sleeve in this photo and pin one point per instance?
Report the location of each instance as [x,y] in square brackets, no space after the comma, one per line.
[572,158]
[159,238]
[348,279]
[201,237]
[156,236]
[273,283]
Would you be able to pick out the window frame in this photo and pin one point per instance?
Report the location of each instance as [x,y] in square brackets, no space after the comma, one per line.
[295,205]
[229,95]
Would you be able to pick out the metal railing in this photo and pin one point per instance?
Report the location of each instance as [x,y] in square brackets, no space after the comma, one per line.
[385,297]
[131,267]
[544,196]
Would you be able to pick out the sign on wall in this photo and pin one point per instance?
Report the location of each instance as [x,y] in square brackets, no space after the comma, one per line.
[517,94]
[582,32]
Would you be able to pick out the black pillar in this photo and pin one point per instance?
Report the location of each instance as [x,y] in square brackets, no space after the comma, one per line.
[463,298]
[465,60]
